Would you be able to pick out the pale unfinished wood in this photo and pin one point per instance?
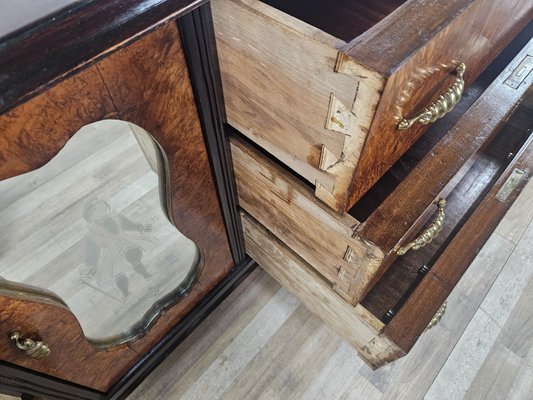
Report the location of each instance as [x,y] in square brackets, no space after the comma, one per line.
[353,324]
[289,210]
[297,117]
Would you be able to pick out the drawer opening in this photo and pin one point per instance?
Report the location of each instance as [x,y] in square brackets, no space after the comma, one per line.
[399,282]
[344,19]
[373,198]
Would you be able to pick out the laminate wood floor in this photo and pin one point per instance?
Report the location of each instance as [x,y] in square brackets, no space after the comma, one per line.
[261,343]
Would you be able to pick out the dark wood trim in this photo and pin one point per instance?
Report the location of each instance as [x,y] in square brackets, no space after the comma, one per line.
[52,48]
[17,381]
[162,349]
[198,41]
[412,319]
[200,51]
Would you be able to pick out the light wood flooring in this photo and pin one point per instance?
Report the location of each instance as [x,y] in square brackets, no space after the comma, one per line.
[261,343]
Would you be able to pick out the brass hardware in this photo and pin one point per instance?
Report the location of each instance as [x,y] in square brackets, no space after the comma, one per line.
[429,233]
[443,105]
[32,348]
[510,185]
[520,73]
[438,316]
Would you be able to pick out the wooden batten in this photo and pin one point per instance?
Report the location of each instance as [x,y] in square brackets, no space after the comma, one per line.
[290,210]
[353,323]
[291,116]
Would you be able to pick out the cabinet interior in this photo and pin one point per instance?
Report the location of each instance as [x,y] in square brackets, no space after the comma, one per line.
[344,19]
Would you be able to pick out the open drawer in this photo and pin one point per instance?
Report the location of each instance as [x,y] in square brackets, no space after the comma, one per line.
[396,226]
[410,297]
[339,90]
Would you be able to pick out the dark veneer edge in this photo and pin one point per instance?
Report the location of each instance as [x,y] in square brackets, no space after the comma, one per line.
[17,381]
[198,41]
[57,46]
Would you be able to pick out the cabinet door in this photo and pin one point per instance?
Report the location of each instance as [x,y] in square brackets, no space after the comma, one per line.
[111,228]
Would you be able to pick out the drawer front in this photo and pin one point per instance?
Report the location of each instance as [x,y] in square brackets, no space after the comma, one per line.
[329,110]
[419,70]
[352,256]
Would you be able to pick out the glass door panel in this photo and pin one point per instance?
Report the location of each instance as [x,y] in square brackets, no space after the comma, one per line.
[91,226]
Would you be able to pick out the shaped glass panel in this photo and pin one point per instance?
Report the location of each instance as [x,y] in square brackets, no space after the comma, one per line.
[90,227]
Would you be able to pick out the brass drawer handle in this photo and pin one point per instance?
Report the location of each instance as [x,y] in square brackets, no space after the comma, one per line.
[429,233]
[31,348]
[443,105]
[438,316]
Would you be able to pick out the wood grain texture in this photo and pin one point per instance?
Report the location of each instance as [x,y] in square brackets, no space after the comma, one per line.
[286,112]
[170,116]
[72,357]
[288,209]
[417,59]
[158,97]
[326,111]
[400,217]
[353,324]
[74,37]
[35,131]
[411,320]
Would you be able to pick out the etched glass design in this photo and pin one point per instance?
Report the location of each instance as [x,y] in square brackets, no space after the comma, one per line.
[90,226]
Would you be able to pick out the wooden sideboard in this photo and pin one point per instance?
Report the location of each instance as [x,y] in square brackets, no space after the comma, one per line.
[152,66]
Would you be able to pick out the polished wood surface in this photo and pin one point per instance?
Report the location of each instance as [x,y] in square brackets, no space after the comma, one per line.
[72,357]
[83,32]
[418,69]
[410,322]
[158,97]
[399,217]
[398,282]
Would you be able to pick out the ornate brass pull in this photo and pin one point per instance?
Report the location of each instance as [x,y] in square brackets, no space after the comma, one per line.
[429,233]
[438,316]
[443,105]
[32,348]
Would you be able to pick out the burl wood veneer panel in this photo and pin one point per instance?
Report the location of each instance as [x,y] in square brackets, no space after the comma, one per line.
[145,83]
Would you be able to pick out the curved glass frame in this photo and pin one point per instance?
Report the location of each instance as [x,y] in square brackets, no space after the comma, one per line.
[107,222]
